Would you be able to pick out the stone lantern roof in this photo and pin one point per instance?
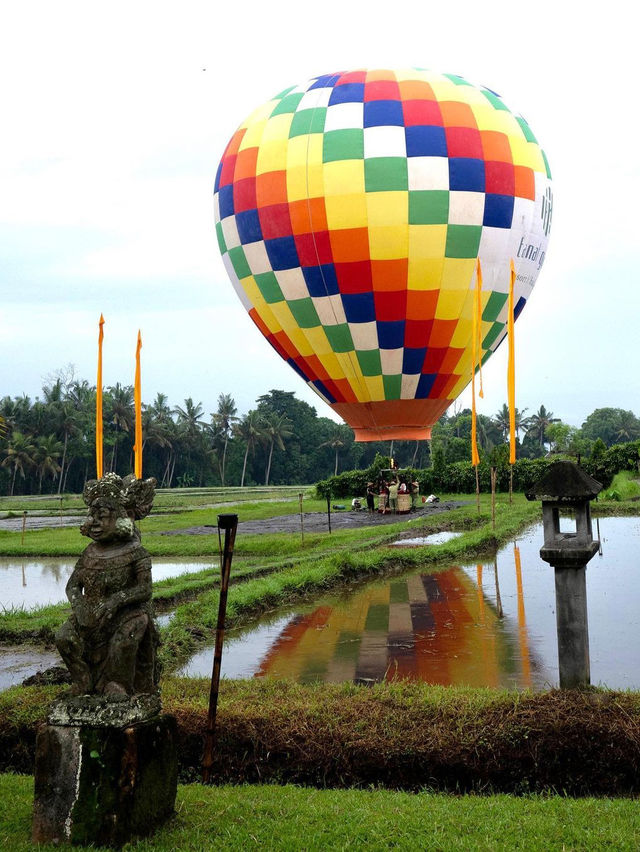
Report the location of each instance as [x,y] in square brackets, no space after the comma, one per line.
[564,482]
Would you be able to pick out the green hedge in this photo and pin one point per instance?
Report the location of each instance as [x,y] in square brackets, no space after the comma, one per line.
[460,477]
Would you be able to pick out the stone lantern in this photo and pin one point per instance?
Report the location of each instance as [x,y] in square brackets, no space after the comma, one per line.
[568,489]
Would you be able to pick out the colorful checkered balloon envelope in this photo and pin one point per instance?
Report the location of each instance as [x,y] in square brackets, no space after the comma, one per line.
[350,212]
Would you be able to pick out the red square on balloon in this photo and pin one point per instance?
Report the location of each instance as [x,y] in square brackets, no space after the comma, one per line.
[354,277]
[244,195]
[391,306]
[499,178]
[417,333]
[421,113]
[464,142]
[274,221]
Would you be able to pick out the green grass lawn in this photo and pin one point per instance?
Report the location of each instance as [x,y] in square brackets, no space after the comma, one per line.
[294,818]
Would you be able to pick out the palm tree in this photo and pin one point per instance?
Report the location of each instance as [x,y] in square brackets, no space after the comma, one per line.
[249,429]
[119,412]
[223,419]
[18,456]
[68,425]
[539,421]
[47,452]
[277,427]
[190,429]
[501,420]
[336,443]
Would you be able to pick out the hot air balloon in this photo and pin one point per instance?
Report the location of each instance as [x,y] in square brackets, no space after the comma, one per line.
[350,213]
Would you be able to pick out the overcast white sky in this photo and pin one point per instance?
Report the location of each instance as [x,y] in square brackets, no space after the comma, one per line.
[114,118]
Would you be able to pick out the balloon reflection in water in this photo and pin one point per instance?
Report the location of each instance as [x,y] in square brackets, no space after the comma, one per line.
[438,628]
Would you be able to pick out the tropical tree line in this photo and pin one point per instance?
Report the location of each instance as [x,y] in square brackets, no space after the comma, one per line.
[47,445]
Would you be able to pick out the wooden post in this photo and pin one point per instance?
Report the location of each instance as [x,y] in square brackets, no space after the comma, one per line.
[228,523]
[477,489]
[24,524]
[301,520]
[329,511]
[494,477]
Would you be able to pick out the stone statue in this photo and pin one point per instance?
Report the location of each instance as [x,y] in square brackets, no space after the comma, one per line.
[109,642]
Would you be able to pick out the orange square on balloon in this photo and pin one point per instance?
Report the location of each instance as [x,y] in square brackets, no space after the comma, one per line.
[495,146]
[442,332]
[417,90]
[246,163]
[350,244]
[525,182]
[421,304]
[456,114]
[271,188]
[390,274]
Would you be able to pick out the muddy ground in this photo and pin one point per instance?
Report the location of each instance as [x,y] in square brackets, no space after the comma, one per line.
[318,522]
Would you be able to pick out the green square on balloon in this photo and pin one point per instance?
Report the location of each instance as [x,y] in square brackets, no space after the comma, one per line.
[269,287]
[307,121]
[220,235]
[288,104]
[343,145]
[494,305]
[339,337]
[392,386]
[428,207]
[304,313]
[385,174]
[239,261]
[463,240]
[369,360]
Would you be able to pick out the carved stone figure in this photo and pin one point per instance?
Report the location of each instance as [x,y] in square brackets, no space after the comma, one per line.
[109,642]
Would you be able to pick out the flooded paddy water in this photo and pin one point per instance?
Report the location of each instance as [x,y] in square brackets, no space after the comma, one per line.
[489,623]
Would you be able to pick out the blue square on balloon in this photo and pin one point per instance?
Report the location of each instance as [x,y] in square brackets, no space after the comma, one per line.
[379,113]
[321,280]
[466,174]
[324,81]
[348,93]
[359,307]
[225,200]
[249,229]
[390,334]
[293,364]
[323,390]
[216,185]
[498,210]
[413,359]
[426,141]
[282,253]
[425,383]
[521,303]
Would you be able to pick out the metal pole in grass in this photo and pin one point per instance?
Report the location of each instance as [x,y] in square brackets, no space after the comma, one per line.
[301,519]
[228,523]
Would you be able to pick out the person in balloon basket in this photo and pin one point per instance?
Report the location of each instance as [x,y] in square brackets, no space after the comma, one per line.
[383,497]
[393,496]
[371,495]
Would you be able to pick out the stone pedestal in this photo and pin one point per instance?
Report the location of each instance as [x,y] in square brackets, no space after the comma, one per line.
[573,628]
[103,777]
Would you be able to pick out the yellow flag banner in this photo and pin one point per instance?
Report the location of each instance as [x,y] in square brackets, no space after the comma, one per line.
[511,370]
[137,399]
[475,458]
[99,402]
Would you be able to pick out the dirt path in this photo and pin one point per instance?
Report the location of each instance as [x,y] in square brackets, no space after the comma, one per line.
[317,521]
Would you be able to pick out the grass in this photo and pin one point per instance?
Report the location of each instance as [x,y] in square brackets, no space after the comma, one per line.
[398,734]
[293,818]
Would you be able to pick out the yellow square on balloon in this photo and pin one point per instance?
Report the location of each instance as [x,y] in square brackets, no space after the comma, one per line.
[458,273]
[427,240]
[388,243]
[319,341]
[346,211]
[388,208]
[272,157]
[253,135]
[424,272]
[277,127]
[343,177]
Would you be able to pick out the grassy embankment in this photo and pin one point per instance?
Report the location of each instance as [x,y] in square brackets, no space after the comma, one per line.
[292,818]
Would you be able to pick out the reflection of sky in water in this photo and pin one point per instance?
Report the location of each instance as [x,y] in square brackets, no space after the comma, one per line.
[434,538]
[35,582]
[446,627]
